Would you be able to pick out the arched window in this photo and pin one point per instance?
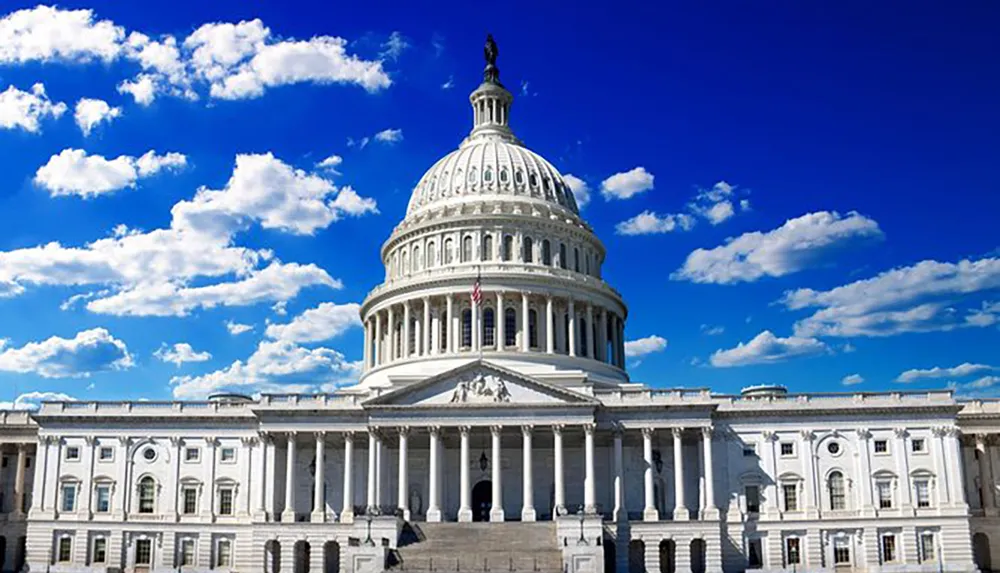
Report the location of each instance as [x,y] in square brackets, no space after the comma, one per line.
[503,175]
[443,339]
[562,255]
[487,247]
[838,495]
[508,248]
[489,327]
[519,177]
[405,267]
[467,328]
[533,180]
[411,344]
[527,255]
[416,259]
[467,249]
[399,340]
[576,259]
[431,255]
[147,495]
[510,327]
[394,266]
[488,174]
[532,328]
[448,250]
[546,253]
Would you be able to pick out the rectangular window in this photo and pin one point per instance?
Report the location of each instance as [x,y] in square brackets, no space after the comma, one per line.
[841,551]
[884,495]
[102,498]
[881,447]
[226,501]
[72,453]
[192,454]
[187,552]
[69,497]
[143,552]
[752,494]
[792,553]
[787,449]
[918,445]
[749,451]
[888,548]
[755,554]
[223,554]
[928,552]
[100,553]
[106,454]
[65,549]
[790,492]
[227,455]
[190,506]
[922,489]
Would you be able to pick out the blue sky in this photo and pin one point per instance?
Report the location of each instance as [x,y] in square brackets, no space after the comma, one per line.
[795,194]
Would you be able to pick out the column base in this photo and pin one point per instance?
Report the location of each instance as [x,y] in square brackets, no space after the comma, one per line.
[710,514]
[528,514]
[650,514]
[465,515]
[347,516]
[496,514]
[287,516]
[405,512]
[434,515]
[259,516]
[318,517]
[682,514]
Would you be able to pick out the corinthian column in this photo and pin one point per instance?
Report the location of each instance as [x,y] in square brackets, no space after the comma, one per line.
[649,511]
[550,327]
[986,474]
[347,513]
[528,495]
[496,511]
[571,314]
[288,515]
[589,503]
[560,490]
[526,328]
[680,510]
[434,503]
[402,493]
[425,347]
[319,499]
[465,506]
[372,469]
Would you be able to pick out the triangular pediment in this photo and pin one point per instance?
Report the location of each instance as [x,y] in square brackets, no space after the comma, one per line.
[480,384]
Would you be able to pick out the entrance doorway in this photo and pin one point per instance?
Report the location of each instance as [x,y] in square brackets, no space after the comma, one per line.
[482,500]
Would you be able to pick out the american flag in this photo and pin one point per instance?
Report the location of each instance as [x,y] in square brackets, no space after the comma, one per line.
[477,295]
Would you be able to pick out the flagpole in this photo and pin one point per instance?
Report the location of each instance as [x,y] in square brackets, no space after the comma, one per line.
[479,312]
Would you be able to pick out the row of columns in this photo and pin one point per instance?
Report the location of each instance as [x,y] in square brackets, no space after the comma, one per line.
[528,512]
[19,480]
[383,344]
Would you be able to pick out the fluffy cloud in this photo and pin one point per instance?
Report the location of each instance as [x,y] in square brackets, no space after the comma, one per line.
[766,348]
[326,321]
[236,328]
[23,110]
[235,61]
[649,223]
[266,190]
[89,352]
[917,298]
[627,184]
[90,112]
[180,353]
[960,371]
[331,163]
[73,172]
[644,346]
[389,136]
[33,400]
[275,366]
[797,244]
[394,46]
[852,379]
[580,189]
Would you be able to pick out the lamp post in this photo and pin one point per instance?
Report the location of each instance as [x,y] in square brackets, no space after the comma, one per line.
[583,517]
[368,540]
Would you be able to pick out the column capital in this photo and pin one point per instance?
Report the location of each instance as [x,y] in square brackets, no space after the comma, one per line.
[678,433]
[647,432]
[527,429]
[617,429]
[939,431]
[247,441]
[807,435]
[496,430]
[982,439]
[953,431]
[122,440]
[707,432]
[900,432]
[557,429]
[403,431]
[589,428]
[769,435]
[90,440]
[464,431]
[22,448]
[863,433]
[265,437]
[211,441]
[320,436]
[348,436]
[435,431]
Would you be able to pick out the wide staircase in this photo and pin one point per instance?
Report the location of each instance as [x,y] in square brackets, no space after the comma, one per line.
[478,547]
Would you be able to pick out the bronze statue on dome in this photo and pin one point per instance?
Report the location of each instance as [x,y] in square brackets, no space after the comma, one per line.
[490,52]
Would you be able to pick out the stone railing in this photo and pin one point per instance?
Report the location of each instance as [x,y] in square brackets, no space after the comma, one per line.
[310,401]
[150,408]
[645,395]
[15,418]
[821,401]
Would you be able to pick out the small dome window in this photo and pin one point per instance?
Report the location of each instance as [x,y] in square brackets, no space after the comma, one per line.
[488,175]
[149,454]
[472,175]
[519,177]
[503,175]
[533,180]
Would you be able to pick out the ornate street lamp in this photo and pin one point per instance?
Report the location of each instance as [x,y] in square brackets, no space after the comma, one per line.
[484,462]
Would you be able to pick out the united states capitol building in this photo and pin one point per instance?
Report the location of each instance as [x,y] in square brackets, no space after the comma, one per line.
[495,428]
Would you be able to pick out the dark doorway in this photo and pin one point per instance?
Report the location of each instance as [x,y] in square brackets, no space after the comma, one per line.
[981,551]
[482,500]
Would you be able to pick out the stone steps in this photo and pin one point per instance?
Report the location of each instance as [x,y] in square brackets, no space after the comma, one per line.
[478,547]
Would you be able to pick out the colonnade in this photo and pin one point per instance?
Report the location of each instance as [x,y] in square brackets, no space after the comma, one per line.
[434,511]
[500,321]
[17,507]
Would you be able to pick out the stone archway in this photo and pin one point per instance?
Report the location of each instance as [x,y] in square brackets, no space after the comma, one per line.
[482,500]
[698,555]
[331,557]
[668,556]
[272,556]
[301,564]
[981,551]
[636,556]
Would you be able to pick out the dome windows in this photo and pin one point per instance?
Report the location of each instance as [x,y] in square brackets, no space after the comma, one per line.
[467,249]
[507,250]
[472,175]
[527,249]
[488,175]
[546,253]
[503,175]
[533,180]
[487,247]
[519,177]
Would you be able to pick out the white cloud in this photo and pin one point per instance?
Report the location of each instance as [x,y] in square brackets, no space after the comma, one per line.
[714,204]
[981,383]
[627,184]
[89,352]
[644,346]
[23,110]
[326,321]
[917,298]
[650,223]
[960,371]
[331,163]
[45,33]
[580,189]
[766,348]
[90,112]
[142,88]
[275,366]
[448,84]
[852,379]
[33,400]
[394,46]
[180,353]
[709,330]
[73,172]
[797,244]
[236,328]
[389,136]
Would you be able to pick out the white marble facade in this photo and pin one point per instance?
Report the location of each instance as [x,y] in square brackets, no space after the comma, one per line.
[494,388]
